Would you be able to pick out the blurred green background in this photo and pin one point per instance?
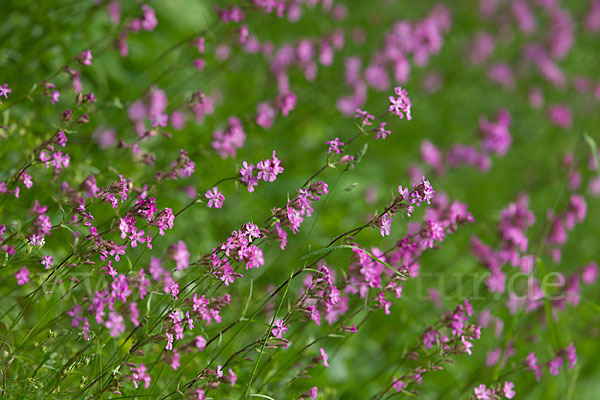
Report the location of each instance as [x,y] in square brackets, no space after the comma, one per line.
[38,37]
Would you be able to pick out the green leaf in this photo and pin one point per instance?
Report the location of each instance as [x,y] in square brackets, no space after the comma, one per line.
[264,396]
[594,147]
[351,187]
[361,153]
[249,298]
[326,250]
[348,246]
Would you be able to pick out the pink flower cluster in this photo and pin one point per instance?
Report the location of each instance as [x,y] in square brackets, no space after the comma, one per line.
[568,354]
[237,248]
[514,221]
[418,40]
[505,390]
[227,141]
[266,112]
[268,170]
[301,206]
[495,139]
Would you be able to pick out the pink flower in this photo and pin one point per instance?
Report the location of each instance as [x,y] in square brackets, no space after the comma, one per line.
[27,180]
[86,57]
[508,390]
[159,119]
[401,104]
[269,169]
[215,198]
[314,392]
[118,251]
[381,132]
[248,177]
[398,385]
[279,328]
[47,261]
[227,141]
[366,119]
[148,21]
[467,345]
[231,378]
[4,91]
[286,103]
[175,364]
[199,63]
[169,345]
[265,115]
[561,116]
[200,342]
[496,137]
[114,11]
[200,44]
[136,236]
[134,313]
[589,273]
[174,288]
[140,374]
[115,324]
[253,256]
[554,365]
[385,225]
[571,355]
[481,393]
[324,357]
[282,234]
[532,365]
[334,145]
[22,276]
[180,254]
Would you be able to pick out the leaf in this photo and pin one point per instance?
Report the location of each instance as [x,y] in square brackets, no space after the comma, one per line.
[347,246]
[149,302]
[351,187]
[361,153]
[594,147]
[249,298]
[326,250]
[129,263]
[117,103]
[388,266]
[264,396]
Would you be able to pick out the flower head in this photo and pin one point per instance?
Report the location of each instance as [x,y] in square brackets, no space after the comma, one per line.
[324,357]
[22,276]
[139,374]
[381,132]
[4,90]
[215,198]
[47,261]
[115,324]
[401,104]
[508,390]
[482,393]
[86,57]
[364,116]
[334,145]
[269,169]
[279,328]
